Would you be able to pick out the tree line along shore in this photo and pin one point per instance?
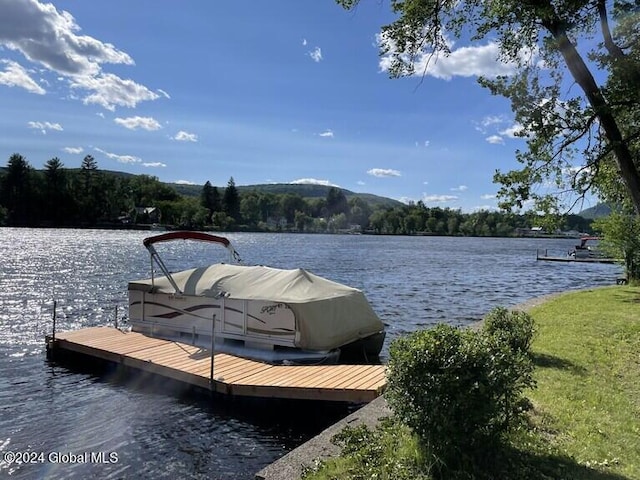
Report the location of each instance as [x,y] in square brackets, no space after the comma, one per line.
[90,197]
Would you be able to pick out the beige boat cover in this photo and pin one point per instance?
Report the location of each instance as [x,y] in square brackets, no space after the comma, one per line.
[328,314]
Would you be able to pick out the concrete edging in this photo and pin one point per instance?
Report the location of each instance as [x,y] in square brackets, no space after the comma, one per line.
[290,466]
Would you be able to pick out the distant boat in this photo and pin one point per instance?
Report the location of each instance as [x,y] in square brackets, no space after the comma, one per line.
[257,312]
[585,252]
[586,249]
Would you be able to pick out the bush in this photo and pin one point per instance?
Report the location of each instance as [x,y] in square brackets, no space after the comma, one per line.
[460,391]
[515,328]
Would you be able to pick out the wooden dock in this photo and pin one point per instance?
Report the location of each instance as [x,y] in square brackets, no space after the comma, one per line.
[231,375]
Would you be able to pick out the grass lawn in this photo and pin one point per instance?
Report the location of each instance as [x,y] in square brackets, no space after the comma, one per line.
[587,357]
[586,406]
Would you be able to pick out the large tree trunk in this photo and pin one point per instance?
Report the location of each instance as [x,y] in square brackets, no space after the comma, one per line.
[584,78]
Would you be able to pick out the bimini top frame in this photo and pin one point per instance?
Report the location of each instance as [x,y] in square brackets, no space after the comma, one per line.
[148,242]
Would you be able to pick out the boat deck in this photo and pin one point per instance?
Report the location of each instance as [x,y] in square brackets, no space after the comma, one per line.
[231,375]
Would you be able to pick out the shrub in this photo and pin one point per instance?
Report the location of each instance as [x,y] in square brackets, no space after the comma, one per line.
[515,328]
[460,391]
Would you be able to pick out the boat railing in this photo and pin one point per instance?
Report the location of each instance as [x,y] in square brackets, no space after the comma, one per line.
[184,235]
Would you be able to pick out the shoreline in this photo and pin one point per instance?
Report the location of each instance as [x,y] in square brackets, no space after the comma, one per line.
[290,465]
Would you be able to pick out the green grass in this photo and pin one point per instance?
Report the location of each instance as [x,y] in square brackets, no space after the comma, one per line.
[587,356]
[585,416]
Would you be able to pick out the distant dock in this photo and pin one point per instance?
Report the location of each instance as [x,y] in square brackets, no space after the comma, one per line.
[223,373]
[571,259]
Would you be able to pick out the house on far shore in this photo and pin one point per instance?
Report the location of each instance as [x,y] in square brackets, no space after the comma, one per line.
[541,232]
[148,215]
[530,232]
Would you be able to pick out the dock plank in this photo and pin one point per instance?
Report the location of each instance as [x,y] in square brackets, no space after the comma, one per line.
[232,375]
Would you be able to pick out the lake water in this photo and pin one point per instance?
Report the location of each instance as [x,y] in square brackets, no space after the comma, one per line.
[411,282]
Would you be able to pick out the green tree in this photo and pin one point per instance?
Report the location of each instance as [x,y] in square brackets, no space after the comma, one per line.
[56,192]
[290,204]
[250,208]
[18,193]
[338,222]
[302,221]
[583,139]
[222,221]
[269,206]
[147,190]
[360,211]
[88,169]
[453,225]
[88,194]
[210,198]
[621,240]
[116,197]
[231,201]
[546,40]
[336,202]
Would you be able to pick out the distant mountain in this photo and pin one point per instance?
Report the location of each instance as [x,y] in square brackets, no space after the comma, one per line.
[600,210]
[307,191]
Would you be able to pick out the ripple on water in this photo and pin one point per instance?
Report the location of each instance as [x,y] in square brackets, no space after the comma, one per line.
[411,282]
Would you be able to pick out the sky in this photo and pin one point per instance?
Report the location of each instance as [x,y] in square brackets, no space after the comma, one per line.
[285,91]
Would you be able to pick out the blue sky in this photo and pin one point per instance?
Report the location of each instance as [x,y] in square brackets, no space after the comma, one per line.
[281,91]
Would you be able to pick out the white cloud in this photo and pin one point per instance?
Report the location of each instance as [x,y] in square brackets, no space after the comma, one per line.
[460,188]
[15,75]
[304,42]
[185,182]
[183,136]
[575,169]
[119,158]
[495,140]
[163,93]
[50,37]
[513,131]
[326,133]
[461,62]
[313,181]
[407,200]
[488,196]
[44,127]
[384,172]
[154,164]
[439,198]
[73,150]
[494,123]
[133,123]
[316,54]
[111,91]
[361,183]
[490,121]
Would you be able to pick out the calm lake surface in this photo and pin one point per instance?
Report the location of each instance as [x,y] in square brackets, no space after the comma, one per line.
[411,282]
